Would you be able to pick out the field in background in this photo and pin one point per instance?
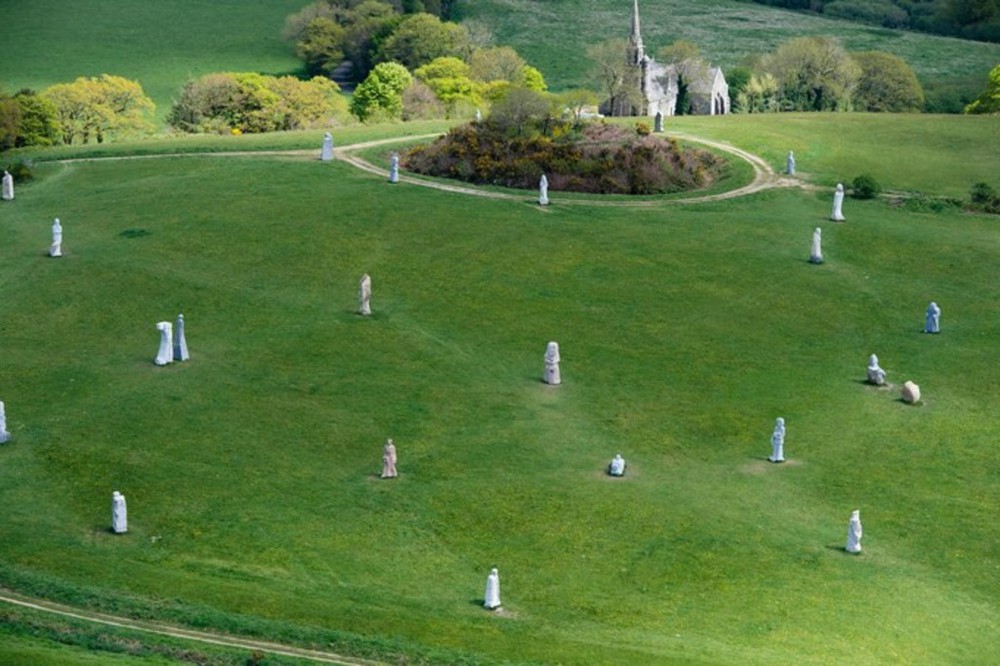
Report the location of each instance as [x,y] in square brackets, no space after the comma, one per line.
[554,36]
[685,330]
[162,44]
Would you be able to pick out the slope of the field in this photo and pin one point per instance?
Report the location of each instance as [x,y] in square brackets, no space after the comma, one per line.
[685,330]
[161,44]
[555,34]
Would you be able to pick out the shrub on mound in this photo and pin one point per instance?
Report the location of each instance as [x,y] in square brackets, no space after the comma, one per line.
[595,157]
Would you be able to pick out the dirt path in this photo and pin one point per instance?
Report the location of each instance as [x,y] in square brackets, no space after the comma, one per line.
[764,177]
[178,632]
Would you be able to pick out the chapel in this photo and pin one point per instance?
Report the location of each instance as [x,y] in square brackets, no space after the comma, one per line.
[700,90]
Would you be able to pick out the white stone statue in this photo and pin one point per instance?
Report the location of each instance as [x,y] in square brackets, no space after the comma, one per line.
[876,375]
[56,249]
[778,441]
[479,115]
[180,343]
[491,598]
[394,167]
[617,466]
[932,321]
[389,460]
[327,153]
[119,513]
[816,254]
[166,353]
[8,186]
[790,164]
[552,364]
[854,533]
[658,122]
[838,202]
[543,191]
[4,435]
[365,295]
[911,393]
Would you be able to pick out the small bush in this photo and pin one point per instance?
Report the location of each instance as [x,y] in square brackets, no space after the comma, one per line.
[865,187]
[982,194]
[643,128]
[20,171]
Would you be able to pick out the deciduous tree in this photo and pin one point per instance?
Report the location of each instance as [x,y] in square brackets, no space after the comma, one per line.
[102,108]
[813,74]
[419,39]
[379,96]
[886,83]
[989,100]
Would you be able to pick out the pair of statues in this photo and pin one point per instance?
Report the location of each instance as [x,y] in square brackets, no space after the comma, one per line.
[173,344]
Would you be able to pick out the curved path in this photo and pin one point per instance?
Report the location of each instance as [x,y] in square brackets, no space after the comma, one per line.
[764,177]
[157,628]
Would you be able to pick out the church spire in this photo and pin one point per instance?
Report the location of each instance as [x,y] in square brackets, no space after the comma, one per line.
[635,38]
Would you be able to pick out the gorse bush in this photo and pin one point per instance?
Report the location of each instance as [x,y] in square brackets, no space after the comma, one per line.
[596,158]
[865,187]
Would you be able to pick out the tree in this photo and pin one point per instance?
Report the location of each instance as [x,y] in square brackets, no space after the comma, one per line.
[39,124]
[532,79]
[251,102]
[103,108]
[813,74]
[419,39]
[989,100]
[886,83]
[449,78]
[618,79]
[518,108]
[577,101]
[420,102]
[10,121]
[379,96]
[321,46]
[495,63]
[759,95]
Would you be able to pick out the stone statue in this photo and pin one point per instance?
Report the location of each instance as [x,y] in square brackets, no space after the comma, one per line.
[911,393]
[778,442]
[790,164]
[816,254]
[119,513]
[8,186]
[617,466]
[4,435]
[552,364]
[56,249]
[389,460]
[658,122]
[166,353]
[838,203]
[180,343]
[543,191]
[876,375]
[932,321]
[394,167]
[327,153]
[854,533]
[491,598]
[479,115]
[365,295]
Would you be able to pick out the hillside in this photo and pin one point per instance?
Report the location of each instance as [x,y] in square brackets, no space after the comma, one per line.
[555,34]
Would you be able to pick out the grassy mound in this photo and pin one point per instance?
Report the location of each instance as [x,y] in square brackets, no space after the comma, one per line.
[591,157]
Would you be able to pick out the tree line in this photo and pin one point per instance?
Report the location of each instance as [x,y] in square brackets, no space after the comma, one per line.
[969,19]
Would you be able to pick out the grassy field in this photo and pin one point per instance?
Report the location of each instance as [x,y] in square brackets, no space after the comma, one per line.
[685,330]
[555,34]
[161,44]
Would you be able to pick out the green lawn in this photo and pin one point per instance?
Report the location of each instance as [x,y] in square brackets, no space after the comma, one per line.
[161,44]
[684,329]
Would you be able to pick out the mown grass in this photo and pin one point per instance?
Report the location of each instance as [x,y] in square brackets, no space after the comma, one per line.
[161,44]
[554,35]
[685,330]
